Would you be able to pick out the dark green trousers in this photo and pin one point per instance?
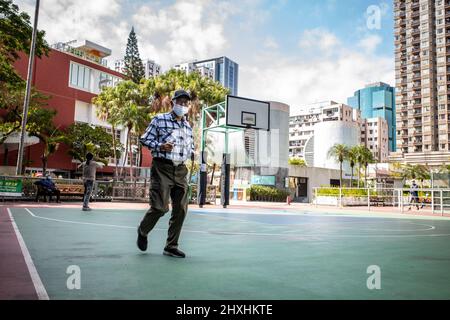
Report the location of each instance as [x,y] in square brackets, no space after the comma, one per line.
[168,182]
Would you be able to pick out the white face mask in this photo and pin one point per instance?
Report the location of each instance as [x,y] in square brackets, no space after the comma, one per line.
[180,110]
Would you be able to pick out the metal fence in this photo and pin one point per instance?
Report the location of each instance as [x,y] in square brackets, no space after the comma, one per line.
[435,200]
[103,190]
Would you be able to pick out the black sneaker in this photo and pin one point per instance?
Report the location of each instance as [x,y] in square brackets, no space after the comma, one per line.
[174,252]
[141,241]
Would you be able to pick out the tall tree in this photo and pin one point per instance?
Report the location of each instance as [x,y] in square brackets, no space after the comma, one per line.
[15,37]
[134,68]
[11,106]
[41,125]
[82,138]
[367,158]
[352,157]
[339,153]
[133,114]
[107,104]
[416,171]
[361,152]
[204,91]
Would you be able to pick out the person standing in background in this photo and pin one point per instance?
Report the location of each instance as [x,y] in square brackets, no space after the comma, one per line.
[89,172]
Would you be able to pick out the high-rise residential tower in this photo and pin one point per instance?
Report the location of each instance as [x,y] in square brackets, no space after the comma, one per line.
[422,67]
[222,69]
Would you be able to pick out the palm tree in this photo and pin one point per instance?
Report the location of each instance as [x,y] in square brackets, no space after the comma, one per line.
[352,157]
[367,158]
[107,111]
[133,114]
[339,153]
[360,151]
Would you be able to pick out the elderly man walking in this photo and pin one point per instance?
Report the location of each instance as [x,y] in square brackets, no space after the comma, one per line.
[169,137]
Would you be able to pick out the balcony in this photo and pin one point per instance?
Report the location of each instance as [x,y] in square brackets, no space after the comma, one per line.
[415,22]
[84,54]
[414,114]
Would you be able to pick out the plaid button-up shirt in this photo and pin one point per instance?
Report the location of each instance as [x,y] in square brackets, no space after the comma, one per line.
[166,128]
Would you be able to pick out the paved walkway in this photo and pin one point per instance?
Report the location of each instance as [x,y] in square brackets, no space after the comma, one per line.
[292,208]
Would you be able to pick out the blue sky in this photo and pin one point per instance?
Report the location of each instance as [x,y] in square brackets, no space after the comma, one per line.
[290,51]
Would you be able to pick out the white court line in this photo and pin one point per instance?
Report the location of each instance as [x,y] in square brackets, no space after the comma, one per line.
[301,213]
[247,233]
[38,285]
[429,227]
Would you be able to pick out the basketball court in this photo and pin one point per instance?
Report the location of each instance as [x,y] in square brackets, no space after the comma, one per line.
[232,254]
[250,253]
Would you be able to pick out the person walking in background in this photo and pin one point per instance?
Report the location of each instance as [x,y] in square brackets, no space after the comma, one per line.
[89,171]
[414,192]
[169,137]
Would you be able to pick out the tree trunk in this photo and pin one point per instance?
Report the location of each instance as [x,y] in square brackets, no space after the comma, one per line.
[126,155]
[359,175]
[44,165]
[365,175]
[131,156]
[5,157]
[351,179]
[340,174]
[44,158]
[114,151]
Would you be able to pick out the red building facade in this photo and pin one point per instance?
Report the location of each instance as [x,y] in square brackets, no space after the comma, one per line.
[71,77]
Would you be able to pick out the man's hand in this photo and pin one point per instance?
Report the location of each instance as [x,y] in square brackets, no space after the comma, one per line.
[167,147]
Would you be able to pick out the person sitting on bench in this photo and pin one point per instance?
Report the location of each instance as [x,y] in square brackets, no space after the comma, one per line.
[47,187]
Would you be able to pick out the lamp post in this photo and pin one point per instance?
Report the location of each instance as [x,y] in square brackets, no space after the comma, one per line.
[26,103]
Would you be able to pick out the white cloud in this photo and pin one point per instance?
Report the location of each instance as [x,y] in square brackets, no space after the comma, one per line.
[270,43]
[370,42]
[303,79]
[182,31]
[322,69]
[66,20]
[318,38]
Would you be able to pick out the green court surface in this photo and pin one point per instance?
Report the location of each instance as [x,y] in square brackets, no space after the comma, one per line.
[238,254]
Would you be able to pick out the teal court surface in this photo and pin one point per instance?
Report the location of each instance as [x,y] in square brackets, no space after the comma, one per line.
[247,253]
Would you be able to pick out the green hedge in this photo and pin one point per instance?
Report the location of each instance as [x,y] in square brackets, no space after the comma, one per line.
[345,192]
[270,194]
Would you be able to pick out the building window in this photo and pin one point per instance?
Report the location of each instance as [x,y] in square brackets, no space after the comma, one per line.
[80,76]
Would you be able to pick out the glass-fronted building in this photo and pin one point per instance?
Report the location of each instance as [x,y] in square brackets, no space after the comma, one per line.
[377,100]
[224,70]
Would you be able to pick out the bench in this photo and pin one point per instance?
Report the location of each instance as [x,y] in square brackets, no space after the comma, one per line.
[70,189]
[377,200]
[64,189]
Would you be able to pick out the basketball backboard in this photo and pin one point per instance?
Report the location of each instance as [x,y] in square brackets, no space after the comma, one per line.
[247,113]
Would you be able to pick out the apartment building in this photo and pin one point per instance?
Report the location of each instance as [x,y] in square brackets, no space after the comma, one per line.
[422,65]
[302,121]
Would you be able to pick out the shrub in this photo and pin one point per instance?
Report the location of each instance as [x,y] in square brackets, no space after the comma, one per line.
[334,192]
[270,194]
[297,162]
